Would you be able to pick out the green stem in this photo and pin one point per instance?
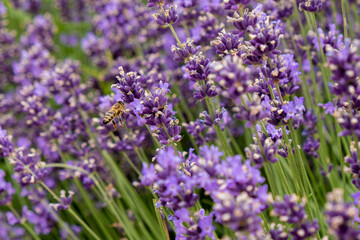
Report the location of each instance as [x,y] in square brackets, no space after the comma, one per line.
[279,94]
[92,233]
[154,138]
[175,35]
[343,9]
[225,145]
[128,160]
[305,181]
[164,231]
[63,224]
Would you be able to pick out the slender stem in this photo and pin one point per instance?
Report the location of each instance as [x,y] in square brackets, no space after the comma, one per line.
[171,141]
[269,175]
[65,166]
[161,222]
[325,70]
[304,86]
[128,160]
[279,93]
[283,176]
[219,132]
[83,224]
[93,234]
[305,181]
[175,35]
[63,224]
[152,136]
[343,9]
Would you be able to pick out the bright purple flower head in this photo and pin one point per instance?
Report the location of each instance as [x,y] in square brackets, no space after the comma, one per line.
[129,86]
[167,17]
[248,21]
[226,43]
[185,51]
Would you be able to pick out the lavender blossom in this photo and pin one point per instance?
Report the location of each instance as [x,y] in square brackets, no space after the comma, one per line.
[226,43]
[167,17]
[345,69]
[236,4]
[310,5]
[185,51]
[65,202]
[6,145]
[6,189]
[340,215]
[169,181]
[40,31]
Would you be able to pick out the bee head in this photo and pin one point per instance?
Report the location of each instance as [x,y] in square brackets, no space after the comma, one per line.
[121,102]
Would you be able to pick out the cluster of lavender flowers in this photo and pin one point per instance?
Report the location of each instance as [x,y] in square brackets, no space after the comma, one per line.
[241,119]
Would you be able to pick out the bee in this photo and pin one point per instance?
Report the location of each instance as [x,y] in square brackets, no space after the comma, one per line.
[117,110]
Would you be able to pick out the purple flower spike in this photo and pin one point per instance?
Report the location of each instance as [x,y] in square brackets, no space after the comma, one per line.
[6,189]
[129,86]
[6,145]
[226,43]
[167,17]
[248,21]
[310,5]
[235,4]
[65,201]
[185,51]
[198,68]
[339,215]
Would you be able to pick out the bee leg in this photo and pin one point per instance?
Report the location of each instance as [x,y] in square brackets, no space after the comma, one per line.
[121,123]
[114,124]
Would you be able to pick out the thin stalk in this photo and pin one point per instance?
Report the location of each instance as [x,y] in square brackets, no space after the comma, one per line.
[171,141]
[325,70]
[268,172]
[182,119]
[284,179]
[303,34]
[175,35]
[98,217]
[59,200]
[65,166]
[183,104]
[88,229]
[63,224]
[305,179]
[120,215]
[128,160]
[161,222]
[100,187]
[279,94]
[234,143]
[304,86]
[293,164]
[225,145]
[125,187]
[152,136]
[343,9]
